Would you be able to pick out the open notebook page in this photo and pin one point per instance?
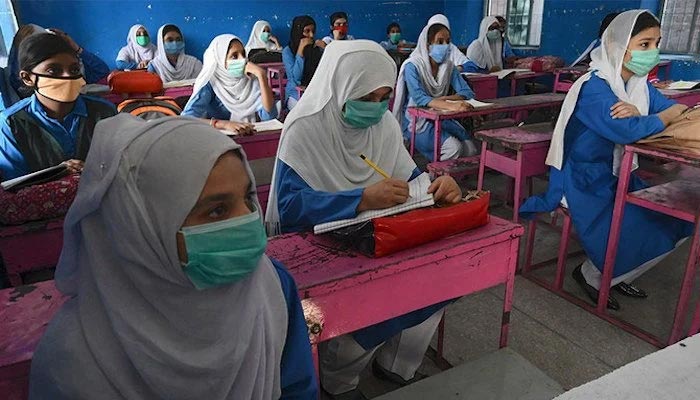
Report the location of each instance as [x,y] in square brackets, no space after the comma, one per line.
[182,83]
[507,72]
[683,85]
[418,190]
[474,102]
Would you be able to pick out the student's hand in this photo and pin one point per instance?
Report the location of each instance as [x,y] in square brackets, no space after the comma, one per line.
[336,34]
[241,128]
[74,165]
[143,64]
[255,69]
[274,40]
[303,43]
[65,37]
[384,194]
[445,190]
[495,68]
[672,113]
[459,106]
[320,43]
[623,110]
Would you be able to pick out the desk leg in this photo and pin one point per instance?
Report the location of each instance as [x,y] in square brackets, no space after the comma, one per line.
[438,142]
[695,324]
[687,286]
[414,120]
[513,87]
[508,295]
[482,166]
[518,185]
[616,226]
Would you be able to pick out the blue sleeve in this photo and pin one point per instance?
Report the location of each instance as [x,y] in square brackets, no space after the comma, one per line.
[657,101]
[460,85]
[205,104]
[300,207]
[293,65]
[151,68]
[12,163]
[387,45]
[95,68]
[298,375]
[415,86]
[508,49]
[593,110]
[265,115]
[124,65]
[470,66]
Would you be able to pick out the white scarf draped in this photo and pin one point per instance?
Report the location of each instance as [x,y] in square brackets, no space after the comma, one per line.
[254,41]
[420,58]
[320,146]
[241,96]
[606,61]
[135,52]
[484,52]
[186,67]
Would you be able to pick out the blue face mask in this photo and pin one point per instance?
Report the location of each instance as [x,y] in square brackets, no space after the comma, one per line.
[363,114]
[173,47]
[439,52]
[236,68]
[224,252]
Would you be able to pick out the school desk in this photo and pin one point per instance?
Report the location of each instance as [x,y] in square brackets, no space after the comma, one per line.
[515,104]
[257,146]
[679,199]
[523,76]
[484,86]
[342,291]
[29,247]
[561,83]
[174,92]
[276,77]
[689,97]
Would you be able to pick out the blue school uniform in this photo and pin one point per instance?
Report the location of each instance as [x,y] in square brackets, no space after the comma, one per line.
[425,138]
[298,375]
[587,181]
[205,104]
[294,68]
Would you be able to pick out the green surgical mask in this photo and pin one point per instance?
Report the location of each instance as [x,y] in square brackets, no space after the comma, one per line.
[493,34]
[224,252]
[363,114]
[643,61]
[395,37]
[236,67]
[265,36]
[143,41]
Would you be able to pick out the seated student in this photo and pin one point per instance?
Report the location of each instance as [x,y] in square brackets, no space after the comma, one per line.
[509,56]
[94,69]
[171,63]
[185,304]
[339,28]
[138,52]
[319,178]
[261,38]
[394,41]
[56,123]
[301,57]
[230,91]
[585,57]
[486,52]
[606,108]
[426,79]
[459,60]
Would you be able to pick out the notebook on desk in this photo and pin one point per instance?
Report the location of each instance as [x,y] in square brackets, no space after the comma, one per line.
[505,73]
[418,190]
[474,103]
[176,84]
[263,126]
[683,85]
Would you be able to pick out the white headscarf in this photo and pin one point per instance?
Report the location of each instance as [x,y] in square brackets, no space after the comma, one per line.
[320,146]
[241,96]
[187,67]
[254,41]
[133,51]
[606,62]
[144,329]
[420,58]
[485,53]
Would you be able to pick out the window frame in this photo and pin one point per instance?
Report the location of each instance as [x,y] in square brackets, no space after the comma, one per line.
[694,31]
[508,15]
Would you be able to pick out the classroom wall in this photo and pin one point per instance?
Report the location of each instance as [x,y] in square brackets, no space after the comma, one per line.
[101,26]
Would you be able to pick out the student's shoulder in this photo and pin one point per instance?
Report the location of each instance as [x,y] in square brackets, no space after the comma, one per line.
[596,87]
[14,109]
[99,103]
[286,279]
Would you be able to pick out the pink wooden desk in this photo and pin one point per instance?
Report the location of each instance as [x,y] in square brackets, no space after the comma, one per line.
[260,145]
[688,97]
[530,150]
[32,246]
[563,86]
[501,105]
[485,86]
[679,199]
[523,76]
[277,78]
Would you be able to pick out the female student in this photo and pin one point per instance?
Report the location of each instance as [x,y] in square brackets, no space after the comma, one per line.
[56,123]
[509,56]
[138,52]
[171,63]
[339,28]
[487,50]
[608,107]
[94,68]
[301,57]
[425,79]
[261,38]
[319,177]
[185,304]
[230,91]
[394,41]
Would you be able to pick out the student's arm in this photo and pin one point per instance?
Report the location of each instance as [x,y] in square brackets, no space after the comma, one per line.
[298,376]
[124,65]
[12,163]
[508,49]
[293,65]
[470,66]
[421,97]
[387,45]
[268,99]
[95,68]
[265,115]
[460,86]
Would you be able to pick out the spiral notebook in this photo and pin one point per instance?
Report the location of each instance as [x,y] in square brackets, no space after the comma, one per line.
[418,190]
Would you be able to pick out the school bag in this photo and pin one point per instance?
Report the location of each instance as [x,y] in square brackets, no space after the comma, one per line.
[683,133]
[150,108]
[262,56]
[126,82]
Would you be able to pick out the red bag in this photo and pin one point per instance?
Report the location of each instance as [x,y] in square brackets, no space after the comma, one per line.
[134,82]
[33,203]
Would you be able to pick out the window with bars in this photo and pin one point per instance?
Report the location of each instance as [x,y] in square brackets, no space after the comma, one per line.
[524,19]
[680,27]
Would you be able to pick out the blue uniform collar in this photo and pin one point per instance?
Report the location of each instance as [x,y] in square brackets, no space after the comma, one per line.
[80,108]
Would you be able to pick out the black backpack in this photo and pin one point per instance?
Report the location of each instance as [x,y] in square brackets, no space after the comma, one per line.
[148,109]
[262,56]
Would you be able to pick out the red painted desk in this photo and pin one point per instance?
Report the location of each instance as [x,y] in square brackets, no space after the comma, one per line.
[485,86]
[563,86]
[679,199]
[32,246]
[501,105]
[688,97]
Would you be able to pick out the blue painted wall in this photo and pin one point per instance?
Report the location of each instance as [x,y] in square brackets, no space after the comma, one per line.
[102,25]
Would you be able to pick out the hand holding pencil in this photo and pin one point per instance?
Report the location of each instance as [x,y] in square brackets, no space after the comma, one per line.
[383,194]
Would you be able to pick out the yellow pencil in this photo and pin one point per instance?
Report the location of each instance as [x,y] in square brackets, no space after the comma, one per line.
[374,166]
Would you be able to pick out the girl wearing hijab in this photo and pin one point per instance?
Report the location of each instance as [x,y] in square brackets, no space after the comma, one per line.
[509,56]
[55,124]
[301,57]
[261,38]
[230,91]
[185,304]
[171,63]
[425,79]
[138,52]
[487,50]
[610,106]
[319,177]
